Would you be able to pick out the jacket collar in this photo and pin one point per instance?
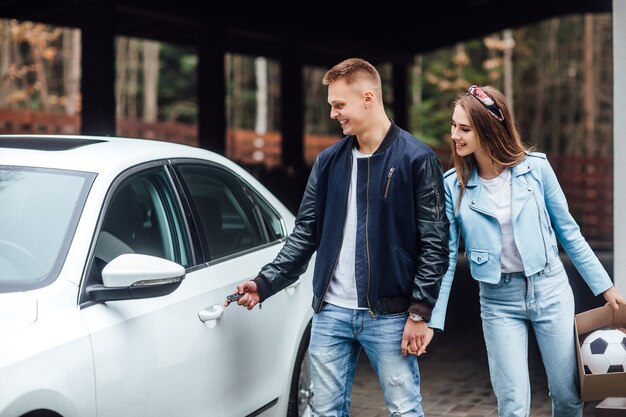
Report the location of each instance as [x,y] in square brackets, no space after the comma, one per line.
[522,168]
[390,137]
[520,191]
[519,169]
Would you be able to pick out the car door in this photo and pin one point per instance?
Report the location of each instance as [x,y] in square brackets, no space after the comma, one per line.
[258,344]
[183,353]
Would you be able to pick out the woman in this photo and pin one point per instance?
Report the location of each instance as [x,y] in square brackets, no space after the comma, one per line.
[507,204]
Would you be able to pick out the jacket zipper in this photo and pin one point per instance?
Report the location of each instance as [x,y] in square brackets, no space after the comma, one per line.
[543,239]
[388,181]
[367,241]
[437,203]
[548,220]
[483,211]
[539,210]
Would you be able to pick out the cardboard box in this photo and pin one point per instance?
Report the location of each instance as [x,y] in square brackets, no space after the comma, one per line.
[611,407]
[599,386]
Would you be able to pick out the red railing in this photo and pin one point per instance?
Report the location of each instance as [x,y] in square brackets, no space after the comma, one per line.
[248,147]
[587,182]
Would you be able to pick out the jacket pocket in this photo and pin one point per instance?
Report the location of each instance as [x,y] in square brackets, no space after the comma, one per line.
[479,256]
[482,266]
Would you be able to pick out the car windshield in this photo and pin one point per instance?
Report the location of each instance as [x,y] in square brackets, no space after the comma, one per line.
[39,210]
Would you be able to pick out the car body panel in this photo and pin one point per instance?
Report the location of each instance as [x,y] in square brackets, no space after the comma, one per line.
[48,361]
[182,354]
[178,354]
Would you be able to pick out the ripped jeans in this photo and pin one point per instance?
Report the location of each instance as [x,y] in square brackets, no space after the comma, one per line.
[337,336]
[545,302]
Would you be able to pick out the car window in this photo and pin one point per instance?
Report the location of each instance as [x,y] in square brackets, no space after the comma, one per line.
[272,220]
[224,211]
[143,217]
[39,211]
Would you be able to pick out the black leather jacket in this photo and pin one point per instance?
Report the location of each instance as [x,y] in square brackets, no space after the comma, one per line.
[406,226]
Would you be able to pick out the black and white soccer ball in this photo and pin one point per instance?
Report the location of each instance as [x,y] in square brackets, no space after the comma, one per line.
[604,351]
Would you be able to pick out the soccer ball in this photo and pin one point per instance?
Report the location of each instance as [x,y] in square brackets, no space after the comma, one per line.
[604,351]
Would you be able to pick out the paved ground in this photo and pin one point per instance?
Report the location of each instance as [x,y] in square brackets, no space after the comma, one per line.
[455,381]
[455,374]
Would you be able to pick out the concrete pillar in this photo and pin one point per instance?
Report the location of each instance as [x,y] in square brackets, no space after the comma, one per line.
[292,112]
[212,91]
[98,70]
[619,144]
[401,95]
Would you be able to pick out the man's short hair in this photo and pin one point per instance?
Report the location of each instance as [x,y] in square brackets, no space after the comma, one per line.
[351,70]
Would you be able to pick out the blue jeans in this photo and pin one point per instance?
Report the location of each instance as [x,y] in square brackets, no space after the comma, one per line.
[546,302]
[337,336]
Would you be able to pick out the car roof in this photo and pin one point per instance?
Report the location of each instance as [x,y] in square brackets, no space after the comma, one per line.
[94,153]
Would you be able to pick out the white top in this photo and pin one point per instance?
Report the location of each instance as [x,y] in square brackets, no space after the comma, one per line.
[499,191]
[342,289]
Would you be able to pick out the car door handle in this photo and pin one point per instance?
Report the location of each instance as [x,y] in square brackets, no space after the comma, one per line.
[211,314]
[291,290]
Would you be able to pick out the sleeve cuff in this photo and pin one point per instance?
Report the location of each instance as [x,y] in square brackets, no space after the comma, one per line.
[422,309]
[263,287]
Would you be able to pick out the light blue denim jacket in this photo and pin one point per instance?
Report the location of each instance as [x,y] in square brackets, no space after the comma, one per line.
[539,214]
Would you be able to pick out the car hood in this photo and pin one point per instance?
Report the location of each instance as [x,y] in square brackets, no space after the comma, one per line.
[17,310]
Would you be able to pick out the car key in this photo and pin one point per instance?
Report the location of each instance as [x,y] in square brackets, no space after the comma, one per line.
[233,297]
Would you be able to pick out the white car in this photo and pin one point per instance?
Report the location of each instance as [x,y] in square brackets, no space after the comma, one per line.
[116,256]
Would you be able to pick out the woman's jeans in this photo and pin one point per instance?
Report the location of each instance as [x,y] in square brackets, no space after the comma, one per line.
[337,336]
[545,301]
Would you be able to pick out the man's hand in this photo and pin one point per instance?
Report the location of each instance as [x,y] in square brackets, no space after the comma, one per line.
[614,298]
[416,337]
[250,295]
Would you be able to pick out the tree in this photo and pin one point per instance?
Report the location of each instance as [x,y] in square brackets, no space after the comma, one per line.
[6,84]
[71,73]
[30,66]
[150,81]
[260,121]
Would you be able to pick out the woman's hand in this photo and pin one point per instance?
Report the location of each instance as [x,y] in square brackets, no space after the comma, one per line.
[614,298]
[416,337]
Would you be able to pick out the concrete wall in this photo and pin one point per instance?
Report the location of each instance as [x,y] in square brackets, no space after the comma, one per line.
[619,143]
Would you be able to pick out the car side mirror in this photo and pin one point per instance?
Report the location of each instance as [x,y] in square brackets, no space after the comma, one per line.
[134,276]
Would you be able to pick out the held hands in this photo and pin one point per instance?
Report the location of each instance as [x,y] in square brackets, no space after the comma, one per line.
[250,296]
[614,298]
[416,337]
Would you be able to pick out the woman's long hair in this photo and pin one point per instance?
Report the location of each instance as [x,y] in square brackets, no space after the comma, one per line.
[500,140]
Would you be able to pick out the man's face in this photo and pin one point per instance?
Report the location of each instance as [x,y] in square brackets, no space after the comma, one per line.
[348,106]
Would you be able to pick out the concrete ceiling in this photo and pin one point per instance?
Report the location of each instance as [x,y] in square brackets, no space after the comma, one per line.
[316,33]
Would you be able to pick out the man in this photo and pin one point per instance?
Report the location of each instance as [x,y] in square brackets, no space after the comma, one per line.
[373,209]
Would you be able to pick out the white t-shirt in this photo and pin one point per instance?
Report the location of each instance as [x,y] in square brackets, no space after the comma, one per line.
[342,289]
[499,191]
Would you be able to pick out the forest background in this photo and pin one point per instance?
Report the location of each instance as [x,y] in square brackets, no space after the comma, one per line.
[557,75]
